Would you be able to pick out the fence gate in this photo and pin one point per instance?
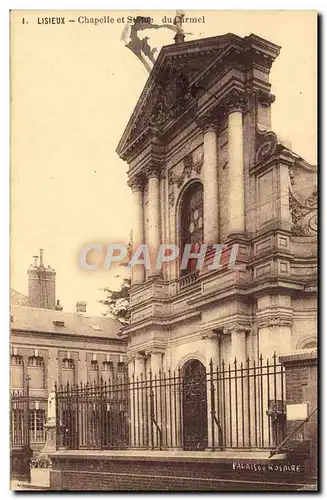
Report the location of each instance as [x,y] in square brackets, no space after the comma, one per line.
[20,441]
[195,407]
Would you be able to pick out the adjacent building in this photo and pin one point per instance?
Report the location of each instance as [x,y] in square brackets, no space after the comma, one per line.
[50,346]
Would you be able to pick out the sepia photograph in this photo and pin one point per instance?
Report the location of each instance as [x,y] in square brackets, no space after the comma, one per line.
[163,246]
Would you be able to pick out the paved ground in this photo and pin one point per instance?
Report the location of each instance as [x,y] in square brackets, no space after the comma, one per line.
[40,479]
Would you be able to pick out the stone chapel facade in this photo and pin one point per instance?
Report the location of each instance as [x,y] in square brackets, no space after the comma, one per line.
[205,167]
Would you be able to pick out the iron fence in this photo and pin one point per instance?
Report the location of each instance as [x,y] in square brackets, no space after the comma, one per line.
[234,405]
[19,408]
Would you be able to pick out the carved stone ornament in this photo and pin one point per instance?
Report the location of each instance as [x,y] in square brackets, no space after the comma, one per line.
[265,98]
[136,183]
[236,327]
[304,215]
[236,101]
[153,171]
[266,144]
[210,335]
[274,320]
[189,167]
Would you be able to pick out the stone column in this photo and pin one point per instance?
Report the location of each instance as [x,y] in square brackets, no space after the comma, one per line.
[211,339]
[238,344]
[136,184]
[157,421]
[238,403]
[210,178]
[154,240]
[139,417]
[236,165]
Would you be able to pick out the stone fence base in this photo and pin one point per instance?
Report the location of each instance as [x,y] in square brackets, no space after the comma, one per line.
[173,471]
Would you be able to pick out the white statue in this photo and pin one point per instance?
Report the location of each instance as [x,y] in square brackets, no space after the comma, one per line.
[52,406]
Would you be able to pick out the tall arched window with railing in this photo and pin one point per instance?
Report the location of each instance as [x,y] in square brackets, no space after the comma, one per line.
[191,223]
[35,370]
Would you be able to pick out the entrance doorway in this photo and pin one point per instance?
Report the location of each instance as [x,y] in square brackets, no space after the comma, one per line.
[195,421]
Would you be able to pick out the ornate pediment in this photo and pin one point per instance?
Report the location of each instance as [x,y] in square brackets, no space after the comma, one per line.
[181,72]
[168,98]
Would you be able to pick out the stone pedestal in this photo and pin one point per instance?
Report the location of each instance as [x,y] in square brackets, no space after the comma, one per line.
[50,441]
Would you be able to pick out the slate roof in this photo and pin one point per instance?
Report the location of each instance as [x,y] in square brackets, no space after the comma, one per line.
[18,298]
[34,319]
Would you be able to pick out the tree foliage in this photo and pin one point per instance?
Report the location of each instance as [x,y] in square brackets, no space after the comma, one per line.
[117,302]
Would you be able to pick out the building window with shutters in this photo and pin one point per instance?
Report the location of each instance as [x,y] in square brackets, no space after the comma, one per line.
[121,372]
[17,372]
[94,372]
[107,371]
[191,223]
[36,423]
[67,371]
[35,370]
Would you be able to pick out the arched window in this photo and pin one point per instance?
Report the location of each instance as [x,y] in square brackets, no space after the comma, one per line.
[17,372]
[67,371]
[310,345]
[192,222]
[35,368]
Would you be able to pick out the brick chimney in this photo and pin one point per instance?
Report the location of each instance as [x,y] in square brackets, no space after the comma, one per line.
[41,284]
[81,307]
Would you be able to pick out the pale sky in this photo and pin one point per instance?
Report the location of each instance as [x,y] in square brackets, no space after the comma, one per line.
[74,87]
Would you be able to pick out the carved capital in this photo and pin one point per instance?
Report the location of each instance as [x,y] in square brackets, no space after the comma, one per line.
[235,101]
[207,123]
[236,328]
[153,171]
[273,321]
[210,335]
[136,183]
[154,350]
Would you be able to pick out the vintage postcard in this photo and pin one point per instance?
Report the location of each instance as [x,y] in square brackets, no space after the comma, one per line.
[163,251]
